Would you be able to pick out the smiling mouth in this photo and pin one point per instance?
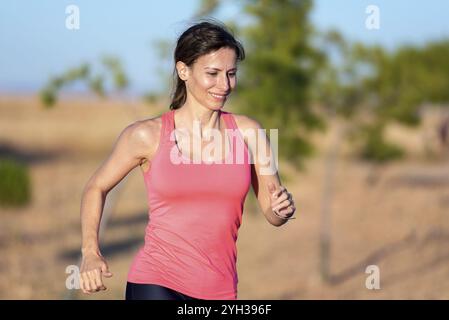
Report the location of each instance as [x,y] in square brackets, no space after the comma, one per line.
[218,96]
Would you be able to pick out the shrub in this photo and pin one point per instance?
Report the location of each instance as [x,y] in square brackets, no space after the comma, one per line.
[15,190]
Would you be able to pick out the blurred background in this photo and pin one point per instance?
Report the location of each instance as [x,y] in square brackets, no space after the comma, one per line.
[359,91]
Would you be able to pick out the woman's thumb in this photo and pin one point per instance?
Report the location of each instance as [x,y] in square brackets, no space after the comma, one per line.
[105,270]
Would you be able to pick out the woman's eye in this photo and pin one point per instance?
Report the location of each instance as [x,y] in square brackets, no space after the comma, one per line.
[214,74]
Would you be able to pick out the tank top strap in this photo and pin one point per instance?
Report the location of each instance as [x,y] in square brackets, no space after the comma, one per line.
[229,120]
[232,125]
[167,125]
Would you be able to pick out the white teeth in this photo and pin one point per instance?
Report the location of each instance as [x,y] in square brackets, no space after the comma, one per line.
[217,96]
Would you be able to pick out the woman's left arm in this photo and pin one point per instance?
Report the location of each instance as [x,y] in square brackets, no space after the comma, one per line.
[276,202]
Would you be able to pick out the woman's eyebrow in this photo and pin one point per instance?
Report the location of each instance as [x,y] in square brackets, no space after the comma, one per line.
[233,69]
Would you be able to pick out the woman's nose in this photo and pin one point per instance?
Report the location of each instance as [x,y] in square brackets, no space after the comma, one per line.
[223,83]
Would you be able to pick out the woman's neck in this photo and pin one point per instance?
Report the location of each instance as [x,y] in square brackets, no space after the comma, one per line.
[188,117]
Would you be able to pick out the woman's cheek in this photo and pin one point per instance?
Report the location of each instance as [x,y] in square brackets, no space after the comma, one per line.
[208,83]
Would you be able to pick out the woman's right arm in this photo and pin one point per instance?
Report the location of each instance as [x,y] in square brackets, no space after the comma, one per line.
[133,147]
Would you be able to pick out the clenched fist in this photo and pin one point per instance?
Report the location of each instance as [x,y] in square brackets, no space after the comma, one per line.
[282,202]
[93,268]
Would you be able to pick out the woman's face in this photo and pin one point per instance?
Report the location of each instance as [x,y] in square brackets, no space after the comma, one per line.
[211,78]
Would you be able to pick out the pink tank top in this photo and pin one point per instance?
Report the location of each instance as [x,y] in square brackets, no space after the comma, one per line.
[195,211]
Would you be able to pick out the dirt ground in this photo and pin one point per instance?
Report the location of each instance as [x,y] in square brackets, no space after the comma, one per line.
[395,217]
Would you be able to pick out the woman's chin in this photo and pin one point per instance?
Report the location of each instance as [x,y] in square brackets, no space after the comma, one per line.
[216,106]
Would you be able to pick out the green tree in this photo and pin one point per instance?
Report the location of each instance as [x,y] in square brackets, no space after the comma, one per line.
[384,87]
[15,184]
[96,83]
[275,86]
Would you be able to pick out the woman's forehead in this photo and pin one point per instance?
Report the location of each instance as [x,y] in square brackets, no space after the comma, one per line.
[222,58]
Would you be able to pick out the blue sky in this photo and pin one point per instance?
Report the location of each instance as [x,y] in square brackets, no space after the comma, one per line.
[34,42]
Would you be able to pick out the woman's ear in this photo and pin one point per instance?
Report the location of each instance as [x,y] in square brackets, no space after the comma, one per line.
[182,70]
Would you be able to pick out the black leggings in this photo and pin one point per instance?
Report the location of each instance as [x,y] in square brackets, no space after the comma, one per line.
[139,291]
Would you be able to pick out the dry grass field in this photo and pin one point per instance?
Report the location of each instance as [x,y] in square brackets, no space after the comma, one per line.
[395,217]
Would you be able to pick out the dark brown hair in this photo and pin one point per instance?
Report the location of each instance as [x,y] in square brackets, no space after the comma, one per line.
[200,39]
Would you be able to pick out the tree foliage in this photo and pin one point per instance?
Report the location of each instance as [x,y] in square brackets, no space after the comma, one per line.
[276,77]
[369,82]
[15,184]
[112,67]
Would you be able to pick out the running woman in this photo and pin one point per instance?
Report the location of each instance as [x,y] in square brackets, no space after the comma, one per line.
[195,198]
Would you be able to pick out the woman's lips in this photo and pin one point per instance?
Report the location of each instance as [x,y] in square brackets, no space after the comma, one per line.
[218,96]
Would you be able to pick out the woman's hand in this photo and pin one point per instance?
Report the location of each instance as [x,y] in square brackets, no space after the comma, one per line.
[93,267]
[282,202]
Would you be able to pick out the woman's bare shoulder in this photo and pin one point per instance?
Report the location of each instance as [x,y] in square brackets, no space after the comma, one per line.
[145,133]
[150,126]
[249,127]
[245,122]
